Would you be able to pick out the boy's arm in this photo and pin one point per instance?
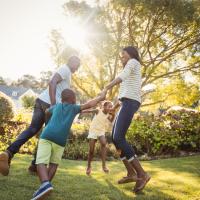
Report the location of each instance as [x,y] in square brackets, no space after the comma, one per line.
[93,102]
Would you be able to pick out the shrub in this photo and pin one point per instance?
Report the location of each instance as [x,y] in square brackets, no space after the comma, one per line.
[6,108]
[79,131]
[167,134]
[77,146]
[10,132]
[28,101]
[186,123]
[77,150]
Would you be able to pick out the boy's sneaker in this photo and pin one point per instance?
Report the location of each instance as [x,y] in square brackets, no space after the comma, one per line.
[4,163]
[44,190]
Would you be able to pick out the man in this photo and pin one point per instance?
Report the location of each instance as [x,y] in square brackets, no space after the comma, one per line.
[61,80]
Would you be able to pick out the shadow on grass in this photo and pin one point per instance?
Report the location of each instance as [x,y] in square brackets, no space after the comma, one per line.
[71,183]
[150,194]
[188,165]
[82,187]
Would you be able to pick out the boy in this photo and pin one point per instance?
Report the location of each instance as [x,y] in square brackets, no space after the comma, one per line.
[100,123]
[53,138]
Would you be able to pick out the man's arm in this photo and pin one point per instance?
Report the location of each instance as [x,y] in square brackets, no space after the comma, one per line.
[90,111]
[52,87]
[93,102]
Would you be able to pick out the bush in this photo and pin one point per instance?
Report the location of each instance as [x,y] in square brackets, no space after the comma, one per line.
[10,132]
[77,146]
[79,131]
[28,102]
[6,108]
[11,129]
[168,134]
[78,150]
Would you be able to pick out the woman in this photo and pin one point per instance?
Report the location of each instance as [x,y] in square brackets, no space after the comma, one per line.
[130,97]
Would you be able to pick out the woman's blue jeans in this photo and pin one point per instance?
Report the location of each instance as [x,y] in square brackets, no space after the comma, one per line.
[122,122]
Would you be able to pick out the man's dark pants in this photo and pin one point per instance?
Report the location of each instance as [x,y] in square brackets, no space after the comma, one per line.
[38,120]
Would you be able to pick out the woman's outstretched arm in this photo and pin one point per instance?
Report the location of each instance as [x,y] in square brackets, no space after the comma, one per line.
[113,83]
[122,76]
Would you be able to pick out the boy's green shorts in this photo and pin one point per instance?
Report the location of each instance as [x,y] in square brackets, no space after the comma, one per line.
[49,152]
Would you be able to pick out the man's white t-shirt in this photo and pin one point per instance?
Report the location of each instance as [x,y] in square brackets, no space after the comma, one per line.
[65,73]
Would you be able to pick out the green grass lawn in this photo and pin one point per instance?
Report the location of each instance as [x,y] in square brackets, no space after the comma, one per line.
[177,178]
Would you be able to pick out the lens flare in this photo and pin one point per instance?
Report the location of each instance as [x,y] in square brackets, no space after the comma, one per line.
[76,35]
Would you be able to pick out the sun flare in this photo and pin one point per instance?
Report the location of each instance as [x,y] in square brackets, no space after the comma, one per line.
[76,35]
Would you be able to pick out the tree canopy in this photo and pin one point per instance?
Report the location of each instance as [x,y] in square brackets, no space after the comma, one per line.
[166,32]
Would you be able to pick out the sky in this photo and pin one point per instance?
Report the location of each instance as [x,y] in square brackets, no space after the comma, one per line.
[25,26]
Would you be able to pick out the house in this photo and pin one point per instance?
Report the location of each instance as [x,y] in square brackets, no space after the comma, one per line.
[16,93]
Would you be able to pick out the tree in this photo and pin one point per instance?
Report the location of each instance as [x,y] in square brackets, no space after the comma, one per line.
[166,32]
[59,49]
[27,81]
[175,91]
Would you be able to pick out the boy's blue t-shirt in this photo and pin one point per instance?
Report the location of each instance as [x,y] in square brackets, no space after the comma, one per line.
[58,127]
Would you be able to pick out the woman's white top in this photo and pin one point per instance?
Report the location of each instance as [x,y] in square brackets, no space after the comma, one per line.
[130,86]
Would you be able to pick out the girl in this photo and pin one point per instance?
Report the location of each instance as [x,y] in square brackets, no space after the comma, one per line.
[130,97]
[100,124]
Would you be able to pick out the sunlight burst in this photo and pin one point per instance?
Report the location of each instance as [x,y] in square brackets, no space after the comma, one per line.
[76,35]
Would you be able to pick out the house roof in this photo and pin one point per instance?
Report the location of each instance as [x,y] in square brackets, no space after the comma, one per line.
[14,92]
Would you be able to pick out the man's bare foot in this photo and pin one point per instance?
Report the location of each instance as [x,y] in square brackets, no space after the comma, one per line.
[4,164]
[141,183]
[88,170]
[105,169]
[128,179]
